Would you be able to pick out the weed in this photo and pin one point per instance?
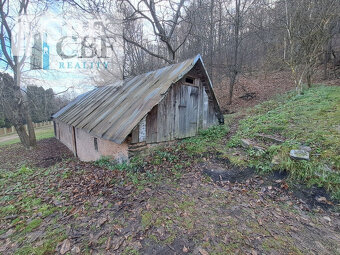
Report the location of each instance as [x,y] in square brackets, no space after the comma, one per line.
[147,219]
[32,225]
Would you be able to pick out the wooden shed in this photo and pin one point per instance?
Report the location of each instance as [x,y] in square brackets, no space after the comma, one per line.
[170,103]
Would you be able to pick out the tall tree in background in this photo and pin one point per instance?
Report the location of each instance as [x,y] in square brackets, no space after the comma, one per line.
[234,37]
[12,99]
[43,103]
[164,17]
[237,13]
[307,25]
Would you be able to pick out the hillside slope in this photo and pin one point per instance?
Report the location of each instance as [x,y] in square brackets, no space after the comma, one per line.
[311,120]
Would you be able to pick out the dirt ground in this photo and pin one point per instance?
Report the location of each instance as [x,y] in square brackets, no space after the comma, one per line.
[47,153]
[263,86]
[179,210]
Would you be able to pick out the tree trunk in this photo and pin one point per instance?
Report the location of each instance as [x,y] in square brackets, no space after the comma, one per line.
[231,87]
[327,57]
[309,80]
[31,133]
[24,139]
[211,40]
[309,74]
[15,109]
[235,68]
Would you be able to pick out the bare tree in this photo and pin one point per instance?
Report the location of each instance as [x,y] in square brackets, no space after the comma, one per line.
[233,36]
[237,14]
[307,31]
[16,110]
[163,17]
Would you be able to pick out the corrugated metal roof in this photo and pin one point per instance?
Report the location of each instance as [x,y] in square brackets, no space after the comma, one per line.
[111,112]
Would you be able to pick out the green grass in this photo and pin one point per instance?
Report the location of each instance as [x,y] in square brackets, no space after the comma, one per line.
[41,133]
[205,141]
[29,211]
[311,119]
[133,171]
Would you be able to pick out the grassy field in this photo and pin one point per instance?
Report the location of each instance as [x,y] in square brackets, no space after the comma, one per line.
[41,133]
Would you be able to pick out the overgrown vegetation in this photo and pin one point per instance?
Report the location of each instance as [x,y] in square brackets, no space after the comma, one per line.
[207,140]
[27,212]
[311,119]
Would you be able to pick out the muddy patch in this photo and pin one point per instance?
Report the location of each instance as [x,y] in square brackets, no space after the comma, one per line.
[221,171]
[49,161]
[234,174]
[178,246]
[314,196]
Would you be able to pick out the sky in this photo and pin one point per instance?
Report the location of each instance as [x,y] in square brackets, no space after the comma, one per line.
[64,64]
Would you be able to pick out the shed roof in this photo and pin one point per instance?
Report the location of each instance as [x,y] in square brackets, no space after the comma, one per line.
[111,112]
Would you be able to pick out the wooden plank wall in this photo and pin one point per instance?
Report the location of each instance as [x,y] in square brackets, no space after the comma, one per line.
[151,125]
[184,110]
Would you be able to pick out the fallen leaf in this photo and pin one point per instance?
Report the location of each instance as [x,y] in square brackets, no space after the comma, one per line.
[253,252]
[203,252]
[108,243]
[65,247]
[185,249]
[323,200]
[117,243]
[101,222]
[75,249]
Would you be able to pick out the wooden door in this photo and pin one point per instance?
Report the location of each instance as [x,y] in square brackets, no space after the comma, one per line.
[187,111]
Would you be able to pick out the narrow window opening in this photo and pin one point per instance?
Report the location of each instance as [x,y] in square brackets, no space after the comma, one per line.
[95,142]
[189,80]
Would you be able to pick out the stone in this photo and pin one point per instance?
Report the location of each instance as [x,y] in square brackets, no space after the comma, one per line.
[327,218]
[299,154]
[11,217]
[305,148]
[245,143]
[57,203]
